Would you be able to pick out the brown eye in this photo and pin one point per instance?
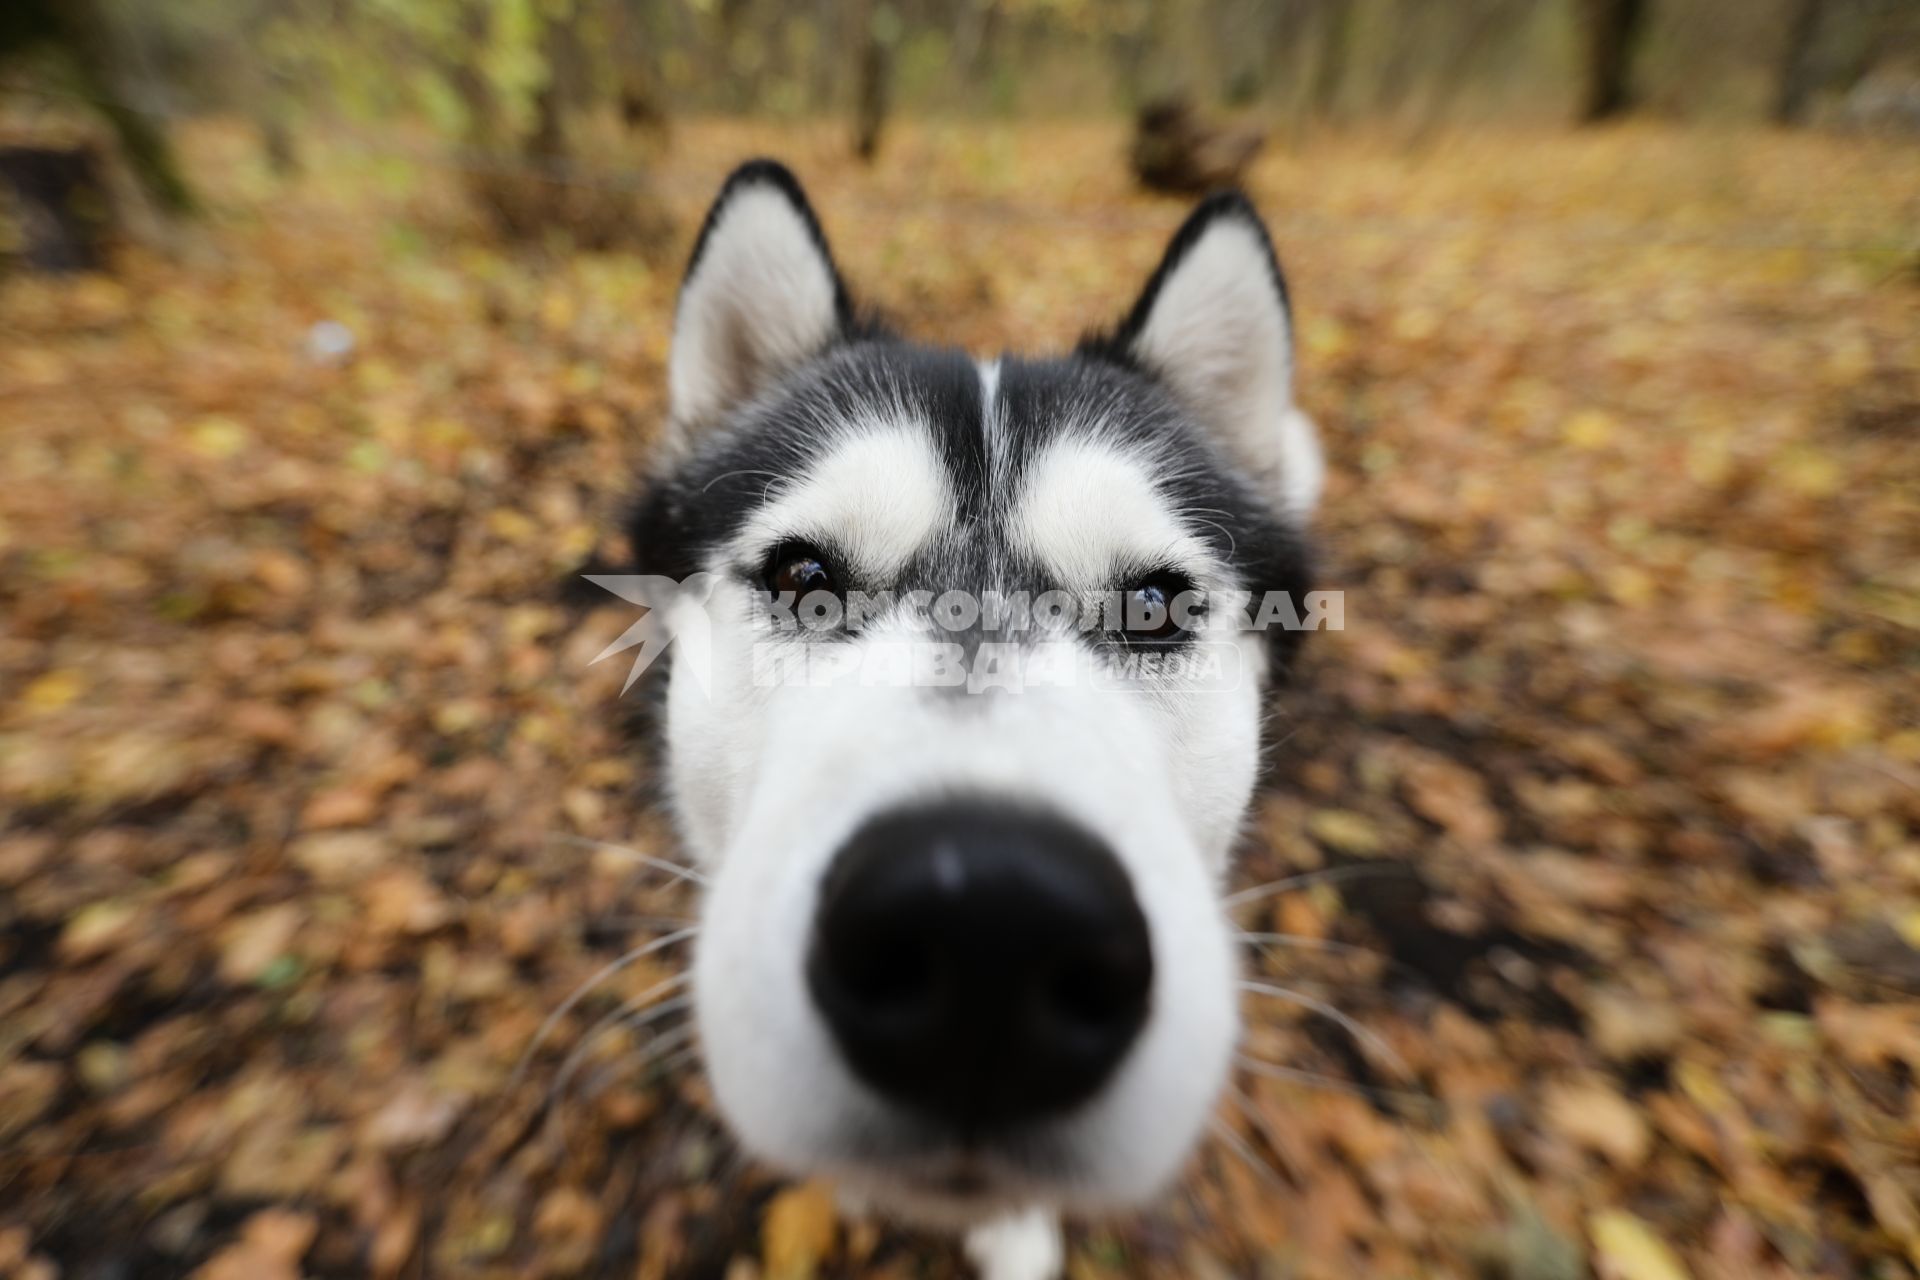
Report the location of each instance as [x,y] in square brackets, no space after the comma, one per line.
[798,570]
[1149,604]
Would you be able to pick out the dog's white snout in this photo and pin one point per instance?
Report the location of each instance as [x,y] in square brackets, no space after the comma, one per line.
[1056,1022]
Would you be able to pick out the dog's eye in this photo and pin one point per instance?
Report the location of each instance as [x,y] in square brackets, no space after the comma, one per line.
[1156,605]
[798,569]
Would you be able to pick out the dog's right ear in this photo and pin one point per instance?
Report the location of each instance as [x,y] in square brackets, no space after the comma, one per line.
[761,296]
[1214,324]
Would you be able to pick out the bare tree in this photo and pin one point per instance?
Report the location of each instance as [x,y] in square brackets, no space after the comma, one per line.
[1467,50]
[1612,29]
[642,97]
[1797,64]
[974,37]
[1331,56]
[560,50]
[874,73]
[78,32]
[528,181]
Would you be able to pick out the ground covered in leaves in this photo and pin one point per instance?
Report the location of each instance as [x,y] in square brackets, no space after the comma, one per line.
[312,810]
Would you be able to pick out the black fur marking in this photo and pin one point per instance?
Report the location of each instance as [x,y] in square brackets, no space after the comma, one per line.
[1117,344]
[734,471]
[1206,491]
[866,375]
[734,467]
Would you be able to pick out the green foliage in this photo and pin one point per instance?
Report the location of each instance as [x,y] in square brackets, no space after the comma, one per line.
[474,70]
[923,56]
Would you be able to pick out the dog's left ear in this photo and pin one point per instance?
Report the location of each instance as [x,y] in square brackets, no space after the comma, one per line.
[761,295]
[1213,324]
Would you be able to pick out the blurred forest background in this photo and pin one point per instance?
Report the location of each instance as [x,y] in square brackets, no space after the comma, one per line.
[332,340]
[527,84]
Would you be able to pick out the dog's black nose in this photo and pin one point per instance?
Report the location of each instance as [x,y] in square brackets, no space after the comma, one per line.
[980,965]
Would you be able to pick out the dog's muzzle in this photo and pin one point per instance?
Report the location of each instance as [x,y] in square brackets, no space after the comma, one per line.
[982,966]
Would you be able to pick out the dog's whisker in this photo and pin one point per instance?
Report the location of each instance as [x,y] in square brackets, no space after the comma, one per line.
[774,476]
[1233,548]
[677,871]
[1430,1108]
[731,1161]
[657,1045]
[586,988]
[1266,942]
[1304,943]
[632,1015]
[1370,1039]
[1243,1102]
[1268,749]
[1326,875]
[1333,1084]
[660,1047]
[672,1063]
[641,922]
[665,1042]
[1240,1147]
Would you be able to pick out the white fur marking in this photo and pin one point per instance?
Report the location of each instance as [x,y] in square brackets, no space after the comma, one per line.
[760,300]
[878,496]
[990,418]
[1026,1246]
[1218,334]
[1088,509]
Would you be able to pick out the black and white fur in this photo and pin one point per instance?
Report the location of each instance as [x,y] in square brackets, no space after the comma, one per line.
[1171,440]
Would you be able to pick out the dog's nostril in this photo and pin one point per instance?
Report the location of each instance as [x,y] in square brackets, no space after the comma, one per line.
[981,965]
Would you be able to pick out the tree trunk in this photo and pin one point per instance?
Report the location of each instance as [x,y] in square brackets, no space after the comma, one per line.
[1612,29]
[1470,45]
[547,144]
[1330,64]
[643,105]
[276,138]
[870,103]
[973,42]
[79,33]
[1411,45]
[150,155]
[470,85]
[1797,64]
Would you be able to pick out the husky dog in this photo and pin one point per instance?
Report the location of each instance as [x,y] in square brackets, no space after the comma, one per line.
[962,948]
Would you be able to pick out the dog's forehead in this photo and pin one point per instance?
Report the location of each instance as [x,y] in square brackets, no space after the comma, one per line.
[985,419]
[928,463]
[907,457]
